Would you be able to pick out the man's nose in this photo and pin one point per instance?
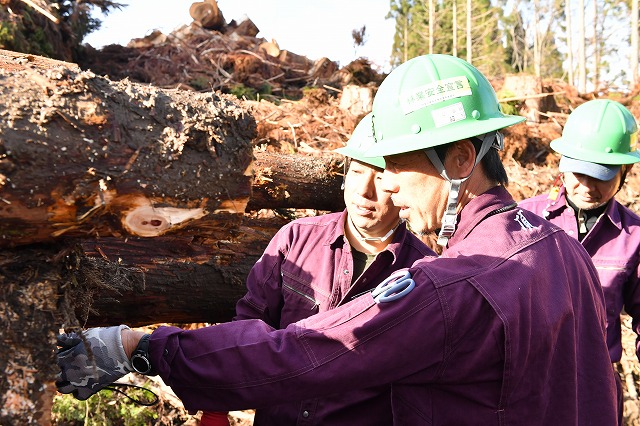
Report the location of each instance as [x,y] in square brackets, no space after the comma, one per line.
[366,187]
[389,183]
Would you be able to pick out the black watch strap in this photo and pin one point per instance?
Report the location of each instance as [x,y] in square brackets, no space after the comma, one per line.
[140,360]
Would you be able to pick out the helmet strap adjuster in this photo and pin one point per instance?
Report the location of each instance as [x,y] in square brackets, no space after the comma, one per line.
[450,217]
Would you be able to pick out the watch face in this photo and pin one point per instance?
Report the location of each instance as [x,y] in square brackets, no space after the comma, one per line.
[140,363]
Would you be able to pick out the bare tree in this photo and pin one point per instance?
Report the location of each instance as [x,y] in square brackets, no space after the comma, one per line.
[455,27]
[634,78]
[431,25]
[597,48]
[469,49]
[567,6]
[537,57]
[582,59]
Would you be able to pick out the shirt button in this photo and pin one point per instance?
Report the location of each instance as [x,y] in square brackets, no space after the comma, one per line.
[166,352]
[346,272]
[305,414]
[570,232]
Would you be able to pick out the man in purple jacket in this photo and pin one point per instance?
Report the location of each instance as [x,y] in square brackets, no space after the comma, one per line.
[598,147]
[318,263]
[507,327]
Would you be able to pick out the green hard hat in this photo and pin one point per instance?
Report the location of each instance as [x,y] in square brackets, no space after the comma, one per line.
[361,140]
[433,100]
[600,131]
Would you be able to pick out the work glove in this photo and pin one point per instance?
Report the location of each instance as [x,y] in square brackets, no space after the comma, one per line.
[91,360]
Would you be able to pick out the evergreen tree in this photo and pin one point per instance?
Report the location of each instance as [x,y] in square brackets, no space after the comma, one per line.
[412,32]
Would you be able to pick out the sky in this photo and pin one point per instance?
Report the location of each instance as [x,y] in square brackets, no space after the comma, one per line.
[312,28]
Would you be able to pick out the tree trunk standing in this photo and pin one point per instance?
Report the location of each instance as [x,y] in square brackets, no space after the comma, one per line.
[405,49]
[537,44]
[469,43]
[582,56]
[635,29]
[597,48]
[432,25]
[569,42]
[454,27]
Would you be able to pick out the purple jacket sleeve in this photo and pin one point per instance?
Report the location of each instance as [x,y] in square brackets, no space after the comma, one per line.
[244,364]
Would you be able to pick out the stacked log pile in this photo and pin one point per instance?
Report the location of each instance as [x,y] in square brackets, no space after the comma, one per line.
[118,203]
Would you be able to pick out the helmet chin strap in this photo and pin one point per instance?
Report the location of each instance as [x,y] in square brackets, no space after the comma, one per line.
[450,217]
[362,238]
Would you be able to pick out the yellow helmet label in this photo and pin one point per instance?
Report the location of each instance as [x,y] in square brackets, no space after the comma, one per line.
[633,141]
[435,92]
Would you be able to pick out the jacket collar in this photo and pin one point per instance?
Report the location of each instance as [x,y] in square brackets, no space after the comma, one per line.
[556,206]
[477,210]
[337,236]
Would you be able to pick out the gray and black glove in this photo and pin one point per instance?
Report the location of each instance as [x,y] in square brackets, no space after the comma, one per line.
[84,372]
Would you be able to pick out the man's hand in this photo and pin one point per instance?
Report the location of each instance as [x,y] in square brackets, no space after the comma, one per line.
[91,360]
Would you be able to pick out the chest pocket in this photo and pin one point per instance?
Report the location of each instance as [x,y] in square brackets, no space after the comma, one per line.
[613,272]
[614,277]
[301,300]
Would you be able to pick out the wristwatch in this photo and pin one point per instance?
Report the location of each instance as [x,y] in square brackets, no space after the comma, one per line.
[140,357]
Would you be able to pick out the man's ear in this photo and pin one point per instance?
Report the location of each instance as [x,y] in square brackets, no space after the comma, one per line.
[460,160]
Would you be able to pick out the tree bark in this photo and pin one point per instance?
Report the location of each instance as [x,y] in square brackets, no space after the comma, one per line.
[569,35]
[175,279]
[34,306]
[294,181]
[582,55]
[82,156]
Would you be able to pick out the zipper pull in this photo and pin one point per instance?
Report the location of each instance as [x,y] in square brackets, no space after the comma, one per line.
[582,224]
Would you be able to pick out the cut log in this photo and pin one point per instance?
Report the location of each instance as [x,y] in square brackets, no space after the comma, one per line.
[207,14]
[530,90]
[188,278]
[323,69]
[295,61]
[80,155]
[358,100]
[295,181]
[271,48]
[246,28]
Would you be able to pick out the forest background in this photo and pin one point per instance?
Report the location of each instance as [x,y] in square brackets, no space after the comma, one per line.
[591,46]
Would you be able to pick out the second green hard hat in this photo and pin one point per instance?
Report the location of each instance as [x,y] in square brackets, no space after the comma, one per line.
[361,140]
[600,131]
